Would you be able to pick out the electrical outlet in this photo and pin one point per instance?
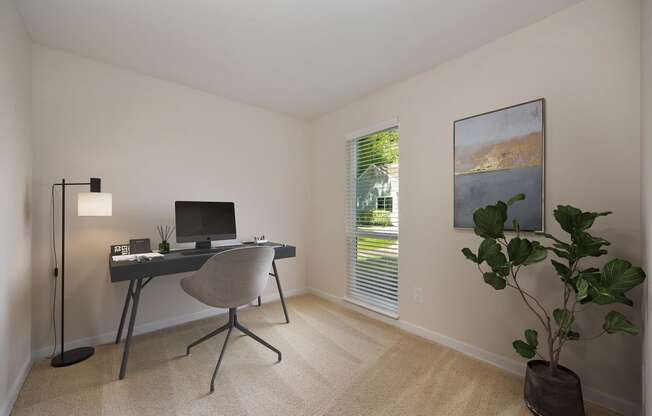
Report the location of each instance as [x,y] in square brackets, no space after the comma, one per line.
[417,295]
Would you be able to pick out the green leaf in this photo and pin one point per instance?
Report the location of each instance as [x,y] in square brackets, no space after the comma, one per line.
[619,275]
[488,248]
[586,219]
[528,348]
[592,277]
[515,198]
[498,263]
[604,297]
[616,322]
[591,274]
[564,319]
[563,254]
[519,249]
[532,338]
[587,245]
[560,243]
[539,253]
[490,220]
[524,349]
[495,281]
[582,287]
[572,219]
[562,270]
[469,255]
[563,247]
[566,217]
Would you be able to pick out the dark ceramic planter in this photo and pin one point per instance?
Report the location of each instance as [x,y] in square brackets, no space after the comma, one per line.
[548,395]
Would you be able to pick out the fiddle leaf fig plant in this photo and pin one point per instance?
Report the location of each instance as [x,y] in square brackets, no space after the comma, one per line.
[501,259]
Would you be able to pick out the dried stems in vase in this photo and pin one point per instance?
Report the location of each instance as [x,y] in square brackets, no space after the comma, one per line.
[165,232]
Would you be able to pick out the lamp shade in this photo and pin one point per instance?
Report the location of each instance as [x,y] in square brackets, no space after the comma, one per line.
[94,204]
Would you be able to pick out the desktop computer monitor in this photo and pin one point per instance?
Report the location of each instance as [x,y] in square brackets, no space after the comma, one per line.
[202,222]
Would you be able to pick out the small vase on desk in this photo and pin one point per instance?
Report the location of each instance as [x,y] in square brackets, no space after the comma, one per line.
[163,247]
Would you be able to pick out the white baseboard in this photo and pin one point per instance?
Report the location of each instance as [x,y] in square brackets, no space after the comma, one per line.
[5,410]
[624,407]
[154,326]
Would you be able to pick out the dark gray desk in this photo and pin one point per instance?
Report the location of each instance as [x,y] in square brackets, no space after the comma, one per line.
[179,261]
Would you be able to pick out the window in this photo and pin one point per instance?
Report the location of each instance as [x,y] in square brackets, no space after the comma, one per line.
[384,203]
[372,223]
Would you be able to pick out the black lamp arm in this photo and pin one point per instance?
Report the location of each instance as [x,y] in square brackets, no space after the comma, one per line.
[95,184]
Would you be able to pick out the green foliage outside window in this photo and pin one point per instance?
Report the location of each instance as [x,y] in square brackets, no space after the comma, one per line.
[379,148]
[375,217]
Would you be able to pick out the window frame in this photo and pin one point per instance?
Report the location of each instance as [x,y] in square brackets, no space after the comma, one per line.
[351,212]
[385,199]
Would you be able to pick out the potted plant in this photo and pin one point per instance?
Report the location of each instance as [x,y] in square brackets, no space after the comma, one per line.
[551,389]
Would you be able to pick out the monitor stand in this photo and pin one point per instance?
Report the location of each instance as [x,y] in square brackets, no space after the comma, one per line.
[203,245]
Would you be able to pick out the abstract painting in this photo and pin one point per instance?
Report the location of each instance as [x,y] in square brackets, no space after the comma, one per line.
[498,155]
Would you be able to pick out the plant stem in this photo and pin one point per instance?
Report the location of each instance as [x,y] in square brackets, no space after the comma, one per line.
[545,323]
[593,337]
[561,335]
[525,293]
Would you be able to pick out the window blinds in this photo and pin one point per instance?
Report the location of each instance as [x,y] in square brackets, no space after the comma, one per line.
[372,233]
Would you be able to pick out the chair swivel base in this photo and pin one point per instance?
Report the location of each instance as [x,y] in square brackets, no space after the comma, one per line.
[233,323]
[71,357]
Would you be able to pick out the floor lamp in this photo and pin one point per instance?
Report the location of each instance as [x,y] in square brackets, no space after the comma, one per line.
[89,204]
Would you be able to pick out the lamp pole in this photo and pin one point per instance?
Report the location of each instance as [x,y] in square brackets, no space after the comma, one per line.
[63,269]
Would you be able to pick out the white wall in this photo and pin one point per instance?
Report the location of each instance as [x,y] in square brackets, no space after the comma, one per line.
[646,187]
[586,62]
[151,142]
[15,206]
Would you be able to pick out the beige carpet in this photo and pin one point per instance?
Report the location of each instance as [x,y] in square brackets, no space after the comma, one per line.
[335,362]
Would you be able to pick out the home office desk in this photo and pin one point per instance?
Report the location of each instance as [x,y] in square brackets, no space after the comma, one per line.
[139,274]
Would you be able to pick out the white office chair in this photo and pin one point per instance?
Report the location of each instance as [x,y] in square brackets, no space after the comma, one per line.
[230,279]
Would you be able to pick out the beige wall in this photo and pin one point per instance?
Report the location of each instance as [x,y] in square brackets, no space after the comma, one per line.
[151,142]
[15,205]
[586,62]
[646,188]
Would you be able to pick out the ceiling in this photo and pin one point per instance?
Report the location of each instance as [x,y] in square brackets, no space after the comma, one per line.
[299,57]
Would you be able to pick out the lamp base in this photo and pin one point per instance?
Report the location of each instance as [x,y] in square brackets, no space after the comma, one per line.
[71,357]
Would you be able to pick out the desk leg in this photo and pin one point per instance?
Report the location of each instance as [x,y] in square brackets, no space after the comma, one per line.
[130,330]
[124,311]
[280,292]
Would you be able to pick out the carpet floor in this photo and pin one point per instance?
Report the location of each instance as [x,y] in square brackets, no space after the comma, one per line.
[335,362]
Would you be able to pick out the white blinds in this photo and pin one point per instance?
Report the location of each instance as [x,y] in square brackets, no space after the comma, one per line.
[372,220]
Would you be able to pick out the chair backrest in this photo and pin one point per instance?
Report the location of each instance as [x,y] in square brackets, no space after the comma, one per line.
[231,278]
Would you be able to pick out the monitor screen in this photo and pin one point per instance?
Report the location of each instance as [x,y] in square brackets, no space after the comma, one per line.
[204,221]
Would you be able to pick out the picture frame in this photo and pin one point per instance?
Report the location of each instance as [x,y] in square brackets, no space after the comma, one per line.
[496,155]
